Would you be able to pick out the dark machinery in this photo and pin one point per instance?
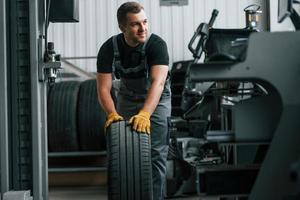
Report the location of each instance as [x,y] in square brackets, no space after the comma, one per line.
[205,107]
[283,150]
[189,93]
[253,152]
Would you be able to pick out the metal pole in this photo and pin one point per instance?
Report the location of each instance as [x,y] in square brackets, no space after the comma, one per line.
[39,102]
[264,21]
[4,168]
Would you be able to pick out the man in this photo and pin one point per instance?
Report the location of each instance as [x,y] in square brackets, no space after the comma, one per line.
[141,61]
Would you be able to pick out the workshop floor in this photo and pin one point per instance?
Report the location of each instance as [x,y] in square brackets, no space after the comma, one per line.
[93,193]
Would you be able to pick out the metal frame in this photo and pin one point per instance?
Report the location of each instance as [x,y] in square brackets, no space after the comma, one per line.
[12,101]
[4,164]
[39,103]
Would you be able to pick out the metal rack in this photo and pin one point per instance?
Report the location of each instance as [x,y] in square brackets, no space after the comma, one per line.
[86,161]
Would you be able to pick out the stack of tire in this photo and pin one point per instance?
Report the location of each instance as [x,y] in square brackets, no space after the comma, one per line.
[75,118]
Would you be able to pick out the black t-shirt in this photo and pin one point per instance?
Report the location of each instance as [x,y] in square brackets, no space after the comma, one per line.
[156,53]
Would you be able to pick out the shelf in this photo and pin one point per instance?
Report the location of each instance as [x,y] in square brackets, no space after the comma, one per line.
[76,154]
[83,161]
[77,169]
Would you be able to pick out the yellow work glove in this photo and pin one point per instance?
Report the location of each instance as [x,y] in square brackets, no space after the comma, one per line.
[112,117]
[141,122]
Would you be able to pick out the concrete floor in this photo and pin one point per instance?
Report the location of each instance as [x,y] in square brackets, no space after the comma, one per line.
[77,193]
[93,193]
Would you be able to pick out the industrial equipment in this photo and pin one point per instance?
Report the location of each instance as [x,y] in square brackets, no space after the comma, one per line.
[248,148]
[51,63]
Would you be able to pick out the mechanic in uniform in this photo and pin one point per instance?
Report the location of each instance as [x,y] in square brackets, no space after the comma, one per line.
[140,60]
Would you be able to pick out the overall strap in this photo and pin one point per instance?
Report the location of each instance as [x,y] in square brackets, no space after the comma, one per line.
[116,59]
[144,46]
[144,57]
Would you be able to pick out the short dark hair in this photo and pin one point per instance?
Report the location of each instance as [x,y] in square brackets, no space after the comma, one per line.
[128,7]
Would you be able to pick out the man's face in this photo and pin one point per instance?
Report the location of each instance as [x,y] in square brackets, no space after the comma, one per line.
[136,28]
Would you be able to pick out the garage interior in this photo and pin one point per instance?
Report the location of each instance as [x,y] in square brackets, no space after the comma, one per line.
[234,76]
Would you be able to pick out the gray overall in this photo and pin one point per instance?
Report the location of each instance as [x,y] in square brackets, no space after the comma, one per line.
[131,98]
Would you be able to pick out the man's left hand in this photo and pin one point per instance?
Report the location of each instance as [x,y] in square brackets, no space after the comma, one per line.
[141,122]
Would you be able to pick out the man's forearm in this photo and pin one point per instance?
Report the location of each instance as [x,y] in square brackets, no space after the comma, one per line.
[159,75]
[106,102]
[104,85]
[153,97]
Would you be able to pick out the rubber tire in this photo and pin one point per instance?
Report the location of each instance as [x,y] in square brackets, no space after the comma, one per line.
[62,115]
[129,163]
[91,118]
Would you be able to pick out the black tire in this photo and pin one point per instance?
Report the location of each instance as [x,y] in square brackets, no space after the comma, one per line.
[62,114]
[91,118]
[129,163]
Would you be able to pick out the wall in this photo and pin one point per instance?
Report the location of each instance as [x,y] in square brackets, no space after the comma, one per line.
[175,24]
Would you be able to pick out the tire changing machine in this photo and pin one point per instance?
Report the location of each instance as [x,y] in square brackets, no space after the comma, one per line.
[273,62]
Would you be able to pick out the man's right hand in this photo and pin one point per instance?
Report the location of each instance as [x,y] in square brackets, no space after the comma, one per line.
[112,117]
